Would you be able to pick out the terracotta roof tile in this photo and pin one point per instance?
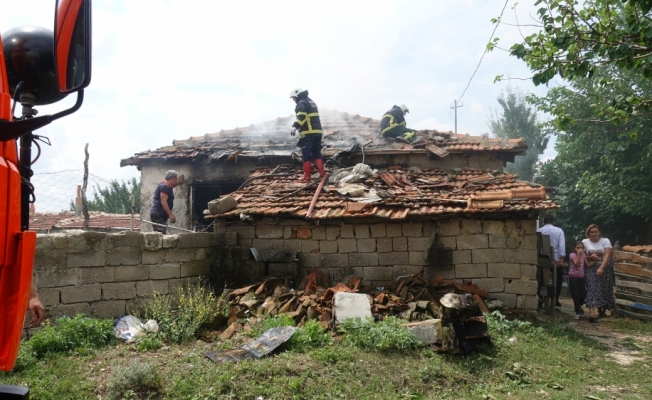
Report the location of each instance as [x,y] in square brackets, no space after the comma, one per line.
[67,220]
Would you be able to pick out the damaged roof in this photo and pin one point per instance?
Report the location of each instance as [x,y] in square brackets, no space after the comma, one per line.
[341,131]
[97,221]
[394,193]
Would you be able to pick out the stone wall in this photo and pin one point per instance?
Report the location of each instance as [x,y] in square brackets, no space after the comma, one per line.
[499,256]
[99,274]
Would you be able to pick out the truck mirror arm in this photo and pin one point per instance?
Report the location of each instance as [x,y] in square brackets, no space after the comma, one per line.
[14,129]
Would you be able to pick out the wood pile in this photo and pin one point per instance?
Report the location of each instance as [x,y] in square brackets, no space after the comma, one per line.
[633,282]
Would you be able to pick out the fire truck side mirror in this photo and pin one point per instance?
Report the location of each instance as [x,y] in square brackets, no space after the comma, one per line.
[72,44]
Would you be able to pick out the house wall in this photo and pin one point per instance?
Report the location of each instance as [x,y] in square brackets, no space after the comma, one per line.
[499,256]
[99,274]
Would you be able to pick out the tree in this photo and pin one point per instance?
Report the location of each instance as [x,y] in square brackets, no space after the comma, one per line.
[602,171]
[577,38]
[115,198]
[517,119]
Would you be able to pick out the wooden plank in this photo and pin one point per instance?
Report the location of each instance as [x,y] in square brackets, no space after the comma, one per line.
[646,287]
[632,269]
[637,298]
[624,255]
[483,307]
[638,306]
[631,314]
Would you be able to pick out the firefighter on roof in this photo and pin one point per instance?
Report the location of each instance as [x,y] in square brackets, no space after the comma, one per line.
[393,124]
[310,132]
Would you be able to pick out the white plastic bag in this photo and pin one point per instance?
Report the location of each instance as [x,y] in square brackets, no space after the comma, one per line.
[130,327]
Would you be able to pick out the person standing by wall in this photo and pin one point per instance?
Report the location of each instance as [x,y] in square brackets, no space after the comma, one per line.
[163,201]
[599,284]
[576,280]
[558,243]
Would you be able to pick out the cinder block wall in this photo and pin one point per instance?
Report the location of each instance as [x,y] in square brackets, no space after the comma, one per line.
[98,274]
[499,256]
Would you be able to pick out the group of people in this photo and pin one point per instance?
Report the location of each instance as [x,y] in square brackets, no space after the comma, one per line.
[590,275]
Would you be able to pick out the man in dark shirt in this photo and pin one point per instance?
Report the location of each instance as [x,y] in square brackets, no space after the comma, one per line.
[163,201]
[392,125]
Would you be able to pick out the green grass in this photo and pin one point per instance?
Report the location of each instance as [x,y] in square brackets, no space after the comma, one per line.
[551,357]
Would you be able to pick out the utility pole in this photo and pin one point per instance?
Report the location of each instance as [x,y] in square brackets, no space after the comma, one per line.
[456,107]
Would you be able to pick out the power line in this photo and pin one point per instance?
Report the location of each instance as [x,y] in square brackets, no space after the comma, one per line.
[485,50]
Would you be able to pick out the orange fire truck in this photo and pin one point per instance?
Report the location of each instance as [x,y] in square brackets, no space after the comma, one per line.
[37,67]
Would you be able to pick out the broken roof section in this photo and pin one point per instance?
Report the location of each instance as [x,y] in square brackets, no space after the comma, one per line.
[98,221]
[395,193]
[272,138]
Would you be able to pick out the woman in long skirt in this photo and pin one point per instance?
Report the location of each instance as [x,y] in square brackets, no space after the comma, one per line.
[599,284]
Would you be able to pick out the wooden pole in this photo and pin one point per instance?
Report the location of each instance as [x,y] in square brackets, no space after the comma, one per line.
[84,186]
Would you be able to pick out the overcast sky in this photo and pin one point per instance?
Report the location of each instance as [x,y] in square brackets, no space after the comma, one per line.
[165,70]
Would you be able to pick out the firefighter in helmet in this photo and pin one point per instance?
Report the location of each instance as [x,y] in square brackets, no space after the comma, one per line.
[393,124]
[309,127]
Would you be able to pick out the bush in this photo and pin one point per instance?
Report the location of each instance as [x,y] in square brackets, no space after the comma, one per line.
[149,342]
[79,335]
[197,306]
[310,336]
[139,380]
[387,335]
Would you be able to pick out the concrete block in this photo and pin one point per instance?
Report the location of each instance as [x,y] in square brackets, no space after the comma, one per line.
[287,232]
[96,275]
[503,270]
[332,232]
[80,294]
[153,257]
[49,258]
[529,226]
[245,243]
[243,231]
[508,299]
[165,271]
[444,272]
[125,256]
[528,271]
[417,258]
[384,245]
[194,240]
[309,246]
[450,227]
[461,257]
[465,242]
[470,226]
[347,245]
[175,284]
[463,271]
[202,253]
[378,274]
[147,288]
[292,245]
[364,259]
[418,243]
[119,291]
[428,331]
[224,239]
[132,273]
[109,309]
[351,305]
[366,245]
[333,260]
[195,268]
[346,231]
[269,232]
[49,296]
[327,246]
[68,310]
[262,244]
[529,242]
[487,255]
[170,241]
[178,255]
[252,269]
[394,258]
[122,239]
[378,230]
[361,231]
[219,226]
[283,270]
[222,205]
[394,230]
[319,233]
[490,284]
[493,227]
[89,258]
[308,260]
[413,230]
[530,302]
[519,286]
[403,270]
[400,244]
[304,233]
[448,242]
[64,277]
[153,241]
[521,256]
[276,243]
[429,228]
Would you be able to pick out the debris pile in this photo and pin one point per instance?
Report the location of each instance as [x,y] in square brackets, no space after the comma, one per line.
[444,314]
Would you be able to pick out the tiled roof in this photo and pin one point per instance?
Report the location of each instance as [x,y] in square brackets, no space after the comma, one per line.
[273,138]
[67,220]
[402,193]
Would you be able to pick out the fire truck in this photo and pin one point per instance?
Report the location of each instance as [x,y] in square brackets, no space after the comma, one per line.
[37,67]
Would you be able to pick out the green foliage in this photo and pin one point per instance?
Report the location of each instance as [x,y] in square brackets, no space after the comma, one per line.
[308,337]
[387,335]
[115,198]
[149,342]
[501,329]
[139,380]
[79,335]
[270,322]
[516,120]
[578,37]
[197,306]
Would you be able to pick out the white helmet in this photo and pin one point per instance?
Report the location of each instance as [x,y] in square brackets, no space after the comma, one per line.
[404,108]
[296,92]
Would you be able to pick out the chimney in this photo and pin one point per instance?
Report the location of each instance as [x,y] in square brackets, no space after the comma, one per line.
[78,202]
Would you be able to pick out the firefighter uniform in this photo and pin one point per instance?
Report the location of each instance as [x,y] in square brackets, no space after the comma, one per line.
[393,123]
[308,125]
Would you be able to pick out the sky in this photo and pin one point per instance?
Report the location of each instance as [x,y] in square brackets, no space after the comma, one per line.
[171,69]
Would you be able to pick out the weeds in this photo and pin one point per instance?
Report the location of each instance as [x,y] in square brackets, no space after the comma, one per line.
[387,335]
[149,342]
[272,322]
[137,381]
[310,336]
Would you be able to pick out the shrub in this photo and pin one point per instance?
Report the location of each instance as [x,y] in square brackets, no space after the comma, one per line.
[149,342]
[387,335]
[310,336]
[139,380]
[79,335]
[501,329]
[197,306]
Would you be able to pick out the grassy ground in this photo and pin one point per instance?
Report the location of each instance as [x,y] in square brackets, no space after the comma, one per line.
[553,359]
